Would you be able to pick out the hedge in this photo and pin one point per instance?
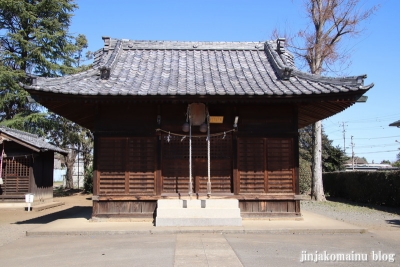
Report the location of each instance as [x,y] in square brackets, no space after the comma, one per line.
[380,187]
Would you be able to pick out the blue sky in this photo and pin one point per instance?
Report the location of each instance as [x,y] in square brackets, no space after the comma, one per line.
[375,52]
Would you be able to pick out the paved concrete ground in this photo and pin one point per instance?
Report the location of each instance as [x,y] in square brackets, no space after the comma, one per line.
[195,250]
[64,236]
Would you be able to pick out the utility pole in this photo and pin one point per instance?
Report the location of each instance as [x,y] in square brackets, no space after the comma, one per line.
[344,138]
[352,152]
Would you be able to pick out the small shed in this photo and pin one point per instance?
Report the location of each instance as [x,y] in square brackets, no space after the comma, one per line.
[26,166]
[204,118]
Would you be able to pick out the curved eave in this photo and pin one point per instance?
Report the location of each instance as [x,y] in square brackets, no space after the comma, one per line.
[288,90]
[351,94]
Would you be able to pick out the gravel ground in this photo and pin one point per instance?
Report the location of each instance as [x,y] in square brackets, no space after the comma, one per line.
[368,216]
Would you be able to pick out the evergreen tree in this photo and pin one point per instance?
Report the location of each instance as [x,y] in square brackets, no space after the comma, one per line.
[34,41]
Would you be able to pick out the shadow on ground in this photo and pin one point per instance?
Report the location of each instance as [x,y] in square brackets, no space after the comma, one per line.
[74,212]
[395,223]
[388,209]
[63,192]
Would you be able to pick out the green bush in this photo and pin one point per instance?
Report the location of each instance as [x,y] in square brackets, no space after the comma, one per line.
[380,188]
[304,176]
[88,180]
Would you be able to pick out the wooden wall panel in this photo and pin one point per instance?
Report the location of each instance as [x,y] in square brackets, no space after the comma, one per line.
[266,165]
[120,209]
[251,165]
[141,164]
[175,164]
[126,165]
[268,208]
[280,165]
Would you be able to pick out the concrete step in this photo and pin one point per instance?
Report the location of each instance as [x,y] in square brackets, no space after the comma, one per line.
[198,212]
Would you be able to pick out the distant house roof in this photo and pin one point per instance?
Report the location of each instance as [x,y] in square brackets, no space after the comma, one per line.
[396,123]
[357,160]
[248,72]
[151,68]
[31,141]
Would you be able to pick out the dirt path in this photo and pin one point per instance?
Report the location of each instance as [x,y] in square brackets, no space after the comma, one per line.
[14,222]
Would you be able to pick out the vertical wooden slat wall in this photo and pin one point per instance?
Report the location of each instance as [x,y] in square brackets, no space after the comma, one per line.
[266,165]
[251,158]
[175,164]
[280,165]
[126,165]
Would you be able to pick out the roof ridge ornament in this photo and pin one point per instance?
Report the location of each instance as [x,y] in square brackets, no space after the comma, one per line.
[105,70]
[284,71]
[280,45]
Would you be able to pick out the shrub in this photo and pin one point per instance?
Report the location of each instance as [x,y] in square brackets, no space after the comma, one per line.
[304,176]
[380,188]
[88,180]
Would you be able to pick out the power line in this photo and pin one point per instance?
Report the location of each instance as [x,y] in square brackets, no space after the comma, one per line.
[377,117]
[379,137]
[383,137]
[383,117]
[379,152]
[377,145]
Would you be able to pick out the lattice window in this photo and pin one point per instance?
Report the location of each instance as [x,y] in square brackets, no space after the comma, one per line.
[16,175]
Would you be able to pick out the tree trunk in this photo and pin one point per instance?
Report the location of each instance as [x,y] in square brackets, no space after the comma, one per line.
[317,185]
[69,163]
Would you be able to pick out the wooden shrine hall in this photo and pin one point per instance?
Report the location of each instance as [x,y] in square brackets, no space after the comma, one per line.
[206,119]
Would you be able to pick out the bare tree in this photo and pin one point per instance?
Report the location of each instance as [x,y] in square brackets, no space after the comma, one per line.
[318,46]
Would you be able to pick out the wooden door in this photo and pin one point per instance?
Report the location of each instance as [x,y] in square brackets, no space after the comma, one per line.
[175,164]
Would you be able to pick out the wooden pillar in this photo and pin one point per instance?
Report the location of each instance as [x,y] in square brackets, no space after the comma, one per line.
[96,173]
[158,174]
[235,173]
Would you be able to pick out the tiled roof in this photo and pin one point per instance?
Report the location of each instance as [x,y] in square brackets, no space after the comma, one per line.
[153,68]
[30,139]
